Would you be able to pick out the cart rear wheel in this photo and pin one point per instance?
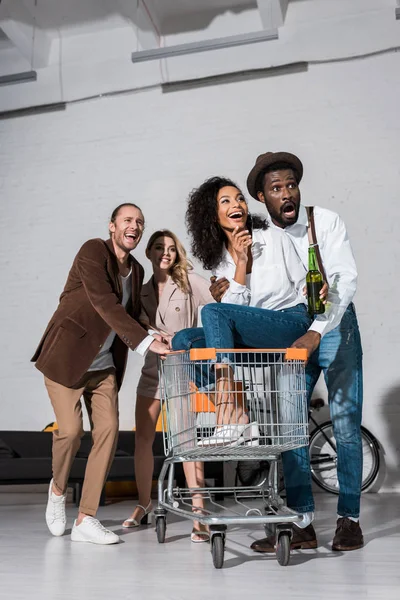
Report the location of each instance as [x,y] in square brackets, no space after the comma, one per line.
[217,550]
[161,526]
[283,549]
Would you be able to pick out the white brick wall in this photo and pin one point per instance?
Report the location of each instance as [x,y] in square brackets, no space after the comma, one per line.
[61,174]
[93,57]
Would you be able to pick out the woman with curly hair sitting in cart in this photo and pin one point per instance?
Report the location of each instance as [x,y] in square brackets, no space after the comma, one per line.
[264,306]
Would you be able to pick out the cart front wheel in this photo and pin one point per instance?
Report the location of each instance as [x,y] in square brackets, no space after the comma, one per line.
[217,550]
[161,526]
[283,549]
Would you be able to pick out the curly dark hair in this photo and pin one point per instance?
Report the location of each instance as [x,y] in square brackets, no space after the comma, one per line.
[207,237]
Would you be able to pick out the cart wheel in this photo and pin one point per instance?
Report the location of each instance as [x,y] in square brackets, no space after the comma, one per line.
[217,550]
[161,526]
[283,549]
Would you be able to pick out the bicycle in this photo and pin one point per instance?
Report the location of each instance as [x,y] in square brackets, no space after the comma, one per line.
[323,457]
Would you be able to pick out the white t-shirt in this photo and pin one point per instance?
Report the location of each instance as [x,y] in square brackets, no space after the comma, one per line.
[277,278]
[104,359]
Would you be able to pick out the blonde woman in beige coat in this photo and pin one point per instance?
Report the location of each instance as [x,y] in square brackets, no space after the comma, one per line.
[170,302]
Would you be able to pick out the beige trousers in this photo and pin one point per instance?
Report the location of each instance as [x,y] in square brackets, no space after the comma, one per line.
[100,393]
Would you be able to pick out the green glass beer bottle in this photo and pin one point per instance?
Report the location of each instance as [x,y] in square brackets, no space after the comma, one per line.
[314,281]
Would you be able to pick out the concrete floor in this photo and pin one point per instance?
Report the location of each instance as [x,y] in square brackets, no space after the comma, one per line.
[34,565]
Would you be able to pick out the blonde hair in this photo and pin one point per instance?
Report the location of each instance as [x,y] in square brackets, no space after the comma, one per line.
[182,265]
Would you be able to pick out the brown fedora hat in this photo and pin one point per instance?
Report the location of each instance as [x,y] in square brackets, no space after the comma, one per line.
[266,160]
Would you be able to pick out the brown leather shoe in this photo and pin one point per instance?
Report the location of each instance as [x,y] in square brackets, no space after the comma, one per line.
[303,539]
[348,535]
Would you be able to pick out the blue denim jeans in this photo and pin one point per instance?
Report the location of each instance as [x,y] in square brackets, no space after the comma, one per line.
[186,339]
[235,326]
[339,356]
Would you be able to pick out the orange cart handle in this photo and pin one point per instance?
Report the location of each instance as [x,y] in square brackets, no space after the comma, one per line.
[211,353]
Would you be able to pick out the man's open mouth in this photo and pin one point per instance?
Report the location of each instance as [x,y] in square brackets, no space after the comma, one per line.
[289,209]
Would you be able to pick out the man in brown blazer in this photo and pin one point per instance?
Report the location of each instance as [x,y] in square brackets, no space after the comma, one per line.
[84,352]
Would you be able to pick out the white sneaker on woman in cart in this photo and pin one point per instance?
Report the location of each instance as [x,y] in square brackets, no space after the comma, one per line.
[233,435]
[91,530]
[56,518]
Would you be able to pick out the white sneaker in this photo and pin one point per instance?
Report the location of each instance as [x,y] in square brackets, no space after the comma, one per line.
[233,435]
[91,530]
[56,518]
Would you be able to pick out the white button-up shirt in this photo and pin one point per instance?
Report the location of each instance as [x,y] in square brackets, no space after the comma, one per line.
[277,278]
[338,261]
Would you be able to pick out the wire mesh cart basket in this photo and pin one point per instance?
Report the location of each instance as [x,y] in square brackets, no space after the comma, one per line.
[232,405]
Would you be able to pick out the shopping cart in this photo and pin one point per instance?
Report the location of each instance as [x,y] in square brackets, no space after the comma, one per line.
[196,386]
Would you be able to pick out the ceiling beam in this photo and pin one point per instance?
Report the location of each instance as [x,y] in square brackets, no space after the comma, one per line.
[20,27]
[204,46]
[24,77]
[272,13]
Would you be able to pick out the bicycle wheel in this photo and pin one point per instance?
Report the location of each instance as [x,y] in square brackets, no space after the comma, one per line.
[323,458]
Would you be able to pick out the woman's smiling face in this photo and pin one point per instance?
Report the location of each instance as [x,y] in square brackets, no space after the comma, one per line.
[162,253]
[232,209]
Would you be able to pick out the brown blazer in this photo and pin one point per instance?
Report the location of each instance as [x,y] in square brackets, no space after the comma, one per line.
[90,307]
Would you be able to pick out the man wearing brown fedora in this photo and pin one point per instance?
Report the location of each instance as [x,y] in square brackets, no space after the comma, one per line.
[334,346]
[333,343]
[83,352]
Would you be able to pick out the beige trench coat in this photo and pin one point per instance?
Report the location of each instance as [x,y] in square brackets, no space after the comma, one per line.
[176,311]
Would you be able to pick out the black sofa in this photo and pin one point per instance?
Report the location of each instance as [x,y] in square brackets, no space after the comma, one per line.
[25,458]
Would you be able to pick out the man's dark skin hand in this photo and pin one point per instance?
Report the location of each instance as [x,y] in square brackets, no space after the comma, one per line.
[218,287]
[310,340]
